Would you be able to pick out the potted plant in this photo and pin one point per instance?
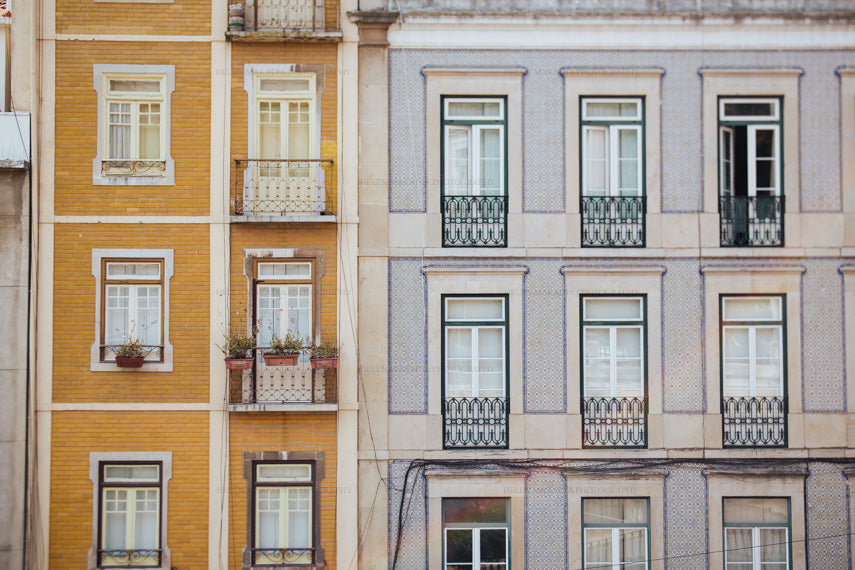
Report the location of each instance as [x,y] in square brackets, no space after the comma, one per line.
[131,354]
[238,350]
[284,350]
[323,355]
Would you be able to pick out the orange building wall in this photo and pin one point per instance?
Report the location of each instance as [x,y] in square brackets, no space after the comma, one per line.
[74,314]
[181,18]
[75,434]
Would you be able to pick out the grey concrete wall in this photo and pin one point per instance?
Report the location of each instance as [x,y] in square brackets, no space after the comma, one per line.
[14,251]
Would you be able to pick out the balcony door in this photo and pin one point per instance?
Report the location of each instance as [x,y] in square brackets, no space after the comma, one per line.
[284,179]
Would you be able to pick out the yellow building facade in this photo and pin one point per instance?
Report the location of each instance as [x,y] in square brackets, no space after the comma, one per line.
[192,190]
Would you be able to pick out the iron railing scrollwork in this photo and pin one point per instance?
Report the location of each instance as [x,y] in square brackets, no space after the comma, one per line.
[751,220]
[475,422]
[614,422]
[296,15]
[121,558]
[613,221]
[754,422]
[275,556]
[133,167]
[474,221]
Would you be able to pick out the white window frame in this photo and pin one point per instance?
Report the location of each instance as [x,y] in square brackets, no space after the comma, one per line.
[755,324]
[459,324]
[619,323]
[617,562]
[611,127]
[753,124]
[473,125]
[284,489]
[167,260]
[756,563]
[284,283]
[96,460]
[163,175]
[284,98]
[135,284]
[476,529]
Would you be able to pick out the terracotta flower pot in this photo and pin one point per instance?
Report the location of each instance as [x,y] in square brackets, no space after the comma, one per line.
[281,359]
[331,362]
[130,361]
[239,363]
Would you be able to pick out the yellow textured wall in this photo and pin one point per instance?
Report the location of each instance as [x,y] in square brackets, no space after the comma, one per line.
[280,432]
[304,54]
[76,129]
[180,17]
[75,434]
[269,236]
[74,314]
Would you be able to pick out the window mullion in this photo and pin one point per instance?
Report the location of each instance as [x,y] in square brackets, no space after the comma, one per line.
[135,130]
[475,160]
[130,519]
[473,339]
[283,516]
[755,548]
[616,559]
[476,548]
[752,362]
[613,362]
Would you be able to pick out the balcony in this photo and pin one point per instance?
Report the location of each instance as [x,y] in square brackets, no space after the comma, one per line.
[288,20]
[264,388]
[613,221]
[475,423]
[474,221]
[751,221]
[754,422]
[614,422]
[289,190]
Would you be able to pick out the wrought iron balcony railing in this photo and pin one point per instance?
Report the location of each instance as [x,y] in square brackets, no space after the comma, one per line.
[614,422]
[474,221]
[475,422]
[280,556]
[613,221]
[128,558]
[754,422]
[296,15]
[282,187]
[299,383]
[751,220]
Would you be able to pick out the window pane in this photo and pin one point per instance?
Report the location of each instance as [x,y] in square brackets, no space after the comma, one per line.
[270,127]
[615,511]
[752,309]
[612,309]
[749,108]
[773,545]
[596,169]
[285,270]
[494,545]
[269,315]
[457,176]
[119,131]
[146,328]
[736,342]
[145,526]
[628,162]
[491,161]
[633,544]
[133,270]
[284,472]
[149,131]
[268,505]
[458,545]
[131,473]
[598,547]
[299,518]
[298,130]
[472,510]
[628,342]
[475,309]
[605,109]
[135,85]
[474,109]
[629,379]
[738,545]
[284,84]
[756,510]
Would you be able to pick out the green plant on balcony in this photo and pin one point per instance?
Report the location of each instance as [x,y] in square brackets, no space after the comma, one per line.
[284,350]
[239,351]
[131,354]
[323,355]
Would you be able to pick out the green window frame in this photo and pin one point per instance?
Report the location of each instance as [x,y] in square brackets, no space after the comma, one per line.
[611,138]
[750,542]
[476,533]
[751,132]
[616,533]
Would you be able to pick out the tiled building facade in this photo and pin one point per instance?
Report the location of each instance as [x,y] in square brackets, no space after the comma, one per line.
[606,285]
[192,190]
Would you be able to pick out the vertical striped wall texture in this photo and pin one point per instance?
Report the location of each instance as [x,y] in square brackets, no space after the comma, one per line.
[543,100]
[546,520]
[412,554]
[686,519]
[545,334]
[827,512]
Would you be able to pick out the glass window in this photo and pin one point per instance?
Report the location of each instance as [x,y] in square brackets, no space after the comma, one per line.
[616,533]
[135,142]
[611,147]
[475,533]
[756,533]
[752,332]
[283,294]
[130,505]
[474,142]
[283,504]
[133,305]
